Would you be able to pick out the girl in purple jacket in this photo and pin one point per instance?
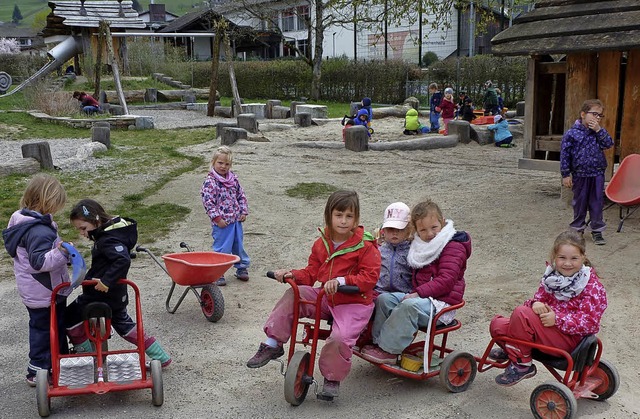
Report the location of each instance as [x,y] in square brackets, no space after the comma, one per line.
[438,255]
[39,264]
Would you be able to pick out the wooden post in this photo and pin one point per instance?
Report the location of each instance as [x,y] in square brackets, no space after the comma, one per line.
[237,109]
[98,66]
[630,129]
[530,110]
[581,84]
[114,68]
[39,151]
[609,63]
[356,138]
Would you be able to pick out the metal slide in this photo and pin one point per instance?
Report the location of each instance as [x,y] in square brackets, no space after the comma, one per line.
[60,54]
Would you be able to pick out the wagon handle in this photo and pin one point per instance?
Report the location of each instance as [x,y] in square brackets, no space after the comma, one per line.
[155,259]
[185,246]
[345,289]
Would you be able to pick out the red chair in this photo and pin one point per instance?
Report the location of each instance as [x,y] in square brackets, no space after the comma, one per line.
[624,187]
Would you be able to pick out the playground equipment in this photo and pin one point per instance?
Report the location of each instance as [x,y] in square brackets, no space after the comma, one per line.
[624,187]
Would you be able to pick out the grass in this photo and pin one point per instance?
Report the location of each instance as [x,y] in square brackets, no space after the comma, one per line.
[311,190]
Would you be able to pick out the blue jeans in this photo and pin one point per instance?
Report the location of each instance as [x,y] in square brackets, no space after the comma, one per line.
[229,240]
[434,120]
[396,321]
[39,343]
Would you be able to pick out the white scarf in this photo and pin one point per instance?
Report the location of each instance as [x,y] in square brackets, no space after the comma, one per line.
[422,253]
[563,287]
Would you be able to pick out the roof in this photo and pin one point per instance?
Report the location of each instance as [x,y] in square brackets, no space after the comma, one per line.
[11,30]
[72,14]
[571,26]
[178,24]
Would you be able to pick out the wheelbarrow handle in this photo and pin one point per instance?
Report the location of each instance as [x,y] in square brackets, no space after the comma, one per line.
[345,289]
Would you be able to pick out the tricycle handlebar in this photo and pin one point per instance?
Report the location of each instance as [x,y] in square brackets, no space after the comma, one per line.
[345,289]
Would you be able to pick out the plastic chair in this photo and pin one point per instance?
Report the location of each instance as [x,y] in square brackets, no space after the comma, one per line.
[624,187]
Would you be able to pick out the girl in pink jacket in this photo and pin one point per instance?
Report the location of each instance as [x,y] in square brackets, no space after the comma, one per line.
[567,306]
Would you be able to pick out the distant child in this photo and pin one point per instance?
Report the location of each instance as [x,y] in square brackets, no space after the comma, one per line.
[366,104]
[448,108]
[582,166]
[462,98]
[113,241]
[343,255]
[347,124]
[466,111]
[39,264]
[500,101]
[225,202]
[362,118]
[395,273]
[412,125]
[87,102]
[438,255]
[434,109]
[567,307]
[490,99]
[501,134]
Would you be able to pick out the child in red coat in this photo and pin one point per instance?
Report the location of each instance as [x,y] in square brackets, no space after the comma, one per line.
[448,108]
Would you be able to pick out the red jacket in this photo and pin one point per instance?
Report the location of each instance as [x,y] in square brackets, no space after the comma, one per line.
[448,108]
[357,260]
[443,279]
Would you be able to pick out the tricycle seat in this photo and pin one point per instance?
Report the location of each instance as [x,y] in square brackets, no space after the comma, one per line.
[582,355]
[96,309]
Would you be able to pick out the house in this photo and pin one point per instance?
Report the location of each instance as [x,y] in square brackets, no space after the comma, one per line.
[157,16]
[30,42]
[578,50]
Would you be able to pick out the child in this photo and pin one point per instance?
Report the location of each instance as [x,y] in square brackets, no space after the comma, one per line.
[582,166]
[502,136]
[434,112]
[412,125]
[567,306]
[343,255]
[500,101]
[225,202]
[88,103]
[39,264]
[438,255]
[347,124]
[490,99]
[395,274]
[114,238]
[362,118]
[466,111]
[366,104]
[448,108]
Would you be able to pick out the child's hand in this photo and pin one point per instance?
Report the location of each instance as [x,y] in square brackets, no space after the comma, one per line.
[100,286]
[331,286]
[539,308]
[548,319]
[62,249]
[594,125]
[222,223]
[242,218]
[567,182]
[412,295]
[281,274]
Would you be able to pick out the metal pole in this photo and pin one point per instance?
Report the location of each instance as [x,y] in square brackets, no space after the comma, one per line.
[420,33]
[385,30]
[355,34]
[472,30]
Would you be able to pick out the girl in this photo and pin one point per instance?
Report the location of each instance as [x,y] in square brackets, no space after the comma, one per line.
[567,306]
[502,136]
[114,238]
[39,264]
[448,108]
[395,273]
[438,254]
[343,255]
[582,166]
[225,202]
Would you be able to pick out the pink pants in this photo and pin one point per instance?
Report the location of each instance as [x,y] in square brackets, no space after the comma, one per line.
[446,125]
[349,320]
[525,324]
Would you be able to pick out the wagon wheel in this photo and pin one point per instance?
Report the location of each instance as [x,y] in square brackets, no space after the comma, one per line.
[610,380]
[553,400]
[42,393]
[212,302]
[157,391]
[295,383]
[371,131]
[457,372]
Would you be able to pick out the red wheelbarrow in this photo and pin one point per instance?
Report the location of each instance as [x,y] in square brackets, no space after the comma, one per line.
[624,187]
[196,271]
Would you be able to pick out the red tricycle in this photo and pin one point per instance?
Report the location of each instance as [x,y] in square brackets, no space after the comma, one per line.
[586,375]
[196,270]
[102,370]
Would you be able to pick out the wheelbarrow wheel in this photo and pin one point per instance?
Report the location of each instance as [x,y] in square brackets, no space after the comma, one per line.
[42,393]
[296,384]
[212,302]
[553,400]
[610,380]
[157,391]
[458,370]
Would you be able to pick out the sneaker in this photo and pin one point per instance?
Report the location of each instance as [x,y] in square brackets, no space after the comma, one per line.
[242,274]
[498,354]
[379,356]
[265,354]
[221,282]
[329,389]
[513,374]
[597,238]
[31,380]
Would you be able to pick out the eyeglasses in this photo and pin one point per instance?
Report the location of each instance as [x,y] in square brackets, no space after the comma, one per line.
[596,114]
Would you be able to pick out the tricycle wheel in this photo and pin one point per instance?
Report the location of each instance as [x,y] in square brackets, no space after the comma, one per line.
[610,380]
[295,379]
[157,391]
[42,393]
[457,372]
[553,400]
[212,302]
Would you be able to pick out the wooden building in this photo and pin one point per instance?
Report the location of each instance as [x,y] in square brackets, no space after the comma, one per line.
[578,49]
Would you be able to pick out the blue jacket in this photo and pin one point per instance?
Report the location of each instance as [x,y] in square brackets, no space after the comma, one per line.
[581,152]
[395,272]
[501,130]
[436,98]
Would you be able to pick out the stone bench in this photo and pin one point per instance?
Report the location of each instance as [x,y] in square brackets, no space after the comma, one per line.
[316,111]
[258,109]
[230,135]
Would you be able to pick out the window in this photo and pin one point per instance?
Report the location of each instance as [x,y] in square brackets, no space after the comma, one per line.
[288,20]
[303,46]
[303,15]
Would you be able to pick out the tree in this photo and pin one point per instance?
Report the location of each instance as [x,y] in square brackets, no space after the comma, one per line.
[136,6]
[17,15]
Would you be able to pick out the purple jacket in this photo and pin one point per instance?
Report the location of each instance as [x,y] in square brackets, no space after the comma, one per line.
[443,279]
[226,200]
[395,272]
[581,152]
[31,239]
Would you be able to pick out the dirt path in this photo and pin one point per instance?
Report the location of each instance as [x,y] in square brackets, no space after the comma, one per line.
[512,215]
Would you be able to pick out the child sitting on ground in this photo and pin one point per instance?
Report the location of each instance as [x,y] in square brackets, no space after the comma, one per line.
[502,136]
[412,125]
[466,111]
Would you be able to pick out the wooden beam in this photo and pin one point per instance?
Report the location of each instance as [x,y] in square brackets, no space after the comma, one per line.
[530,109]
[630,129]
[552,68]
[581,84]
[609,63]
[535,164]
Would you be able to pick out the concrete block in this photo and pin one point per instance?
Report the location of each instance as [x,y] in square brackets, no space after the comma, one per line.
[357,138]
[40,151]
[221,125]
[101,134]
[144,122]
[461,129]
[230,135]
[248,122]
[269,108]
[258,109]
[280,112]
[316,111]
[294,105]
[520,109]
[303,119]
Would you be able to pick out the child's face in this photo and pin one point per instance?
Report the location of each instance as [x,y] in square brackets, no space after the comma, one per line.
[592,117]
[448,96]
[568,260]
[428,227]
[222,165]
[342,224]
[83,227]
[363,117]
[394,236]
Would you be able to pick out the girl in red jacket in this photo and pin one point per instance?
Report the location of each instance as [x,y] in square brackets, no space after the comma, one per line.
[343,255]
[448,108]
[438,255]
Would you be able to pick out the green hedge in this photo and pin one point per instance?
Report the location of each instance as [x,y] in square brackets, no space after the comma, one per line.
[20,66]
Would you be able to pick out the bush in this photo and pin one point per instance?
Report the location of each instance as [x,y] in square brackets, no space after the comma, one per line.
[429,58]
[52,102]
[20,66]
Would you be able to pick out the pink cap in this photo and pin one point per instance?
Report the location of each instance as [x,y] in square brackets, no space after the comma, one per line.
[396,216]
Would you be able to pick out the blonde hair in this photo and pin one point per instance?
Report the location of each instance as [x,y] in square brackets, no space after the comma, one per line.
[341,201]
[424,209]
[44,194]
[222,150]
[588,104]
[571,238]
